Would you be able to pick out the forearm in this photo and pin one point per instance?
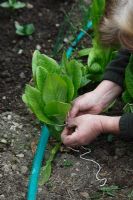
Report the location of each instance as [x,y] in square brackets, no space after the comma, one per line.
[120,125]
[107,92]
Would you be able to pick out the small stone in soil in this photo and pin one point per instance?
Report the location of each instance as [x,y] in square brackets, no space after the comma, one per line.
[20,51]
[24,169]
[21,155]
[38,47]
[22,75]
[29,5]
[84,194]
[3,141]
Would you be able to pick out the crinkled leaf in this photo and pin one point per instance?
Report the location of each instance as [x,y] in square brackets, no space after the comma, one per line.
[45,173]
[44,61]
[55,89]
[33,99]
[41,74]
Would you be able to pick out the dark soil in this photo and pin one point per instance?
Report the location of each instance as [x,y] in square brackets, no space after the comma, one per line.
[78,180]
[47,16]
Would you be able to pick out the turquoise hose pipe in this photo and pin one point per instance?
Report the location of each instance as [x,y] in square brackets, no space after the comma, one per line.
[78,38]
[38,158]
[44,136]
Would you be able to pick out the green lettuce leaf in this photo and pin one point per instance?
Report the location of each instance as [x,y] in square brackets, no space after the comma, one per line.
[43,61]
[70,88]
[33,99]
[41,74]
[57,110]
[73,69]
[55,89]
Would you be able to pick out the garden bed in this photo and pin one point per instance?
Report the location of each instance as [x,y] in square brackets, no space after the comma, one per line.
[72,177]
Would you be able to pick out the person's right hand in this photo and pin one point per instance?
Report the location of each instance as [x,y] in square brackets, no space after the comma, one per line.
[96,101]
[86,103]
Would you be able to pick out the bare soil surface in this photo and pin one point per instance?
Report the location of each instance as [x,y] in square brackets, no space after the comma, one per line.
[72,177]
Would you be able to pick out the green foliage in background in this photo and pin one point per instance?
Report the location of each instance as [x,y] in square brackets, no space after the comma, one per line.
[98,56]
[24,30]
[128,93]
[13,4]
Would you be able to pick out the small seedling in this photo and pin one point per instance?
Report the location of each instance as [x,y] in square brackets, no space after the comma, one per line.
[24,30]
[13,4]
[67,163]
[110,190]
[130,195]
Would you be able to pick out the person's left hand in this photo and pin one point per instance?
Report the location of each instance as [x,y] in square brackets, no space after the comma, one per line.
[82,130]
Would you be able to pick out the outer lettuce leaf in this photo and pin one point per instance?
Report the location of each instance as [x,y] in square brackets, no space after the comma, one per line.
[56,108]
[55,89]
[43,61]
[33,99]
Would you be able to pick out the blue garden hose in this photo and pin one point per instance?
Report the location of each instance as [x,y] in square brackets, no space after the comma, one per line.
[40,152]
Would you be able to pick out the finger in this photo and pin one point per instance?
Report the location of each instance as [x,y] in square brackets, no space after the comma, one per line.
[70,140]
[65,133]
[73,112]
[75,107]
[71,123]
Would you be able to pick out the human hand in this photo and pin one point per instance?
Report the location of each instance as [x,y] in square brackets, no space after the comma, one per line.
[86,103]
[96,101]
[84,129]
[81,130]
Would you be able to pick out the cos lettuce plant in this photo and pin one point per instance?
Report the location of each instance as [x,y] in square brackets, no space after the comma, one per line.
[54,87]
[24,30]
[49,96]
[13,4]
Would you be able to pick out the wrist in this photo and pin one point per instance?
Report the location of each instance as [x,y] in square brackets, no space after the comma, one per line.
[110,124]
[107,91]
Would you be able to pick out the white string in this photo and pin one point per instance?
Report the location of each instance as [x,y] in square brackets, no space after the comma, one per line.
[87,159]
